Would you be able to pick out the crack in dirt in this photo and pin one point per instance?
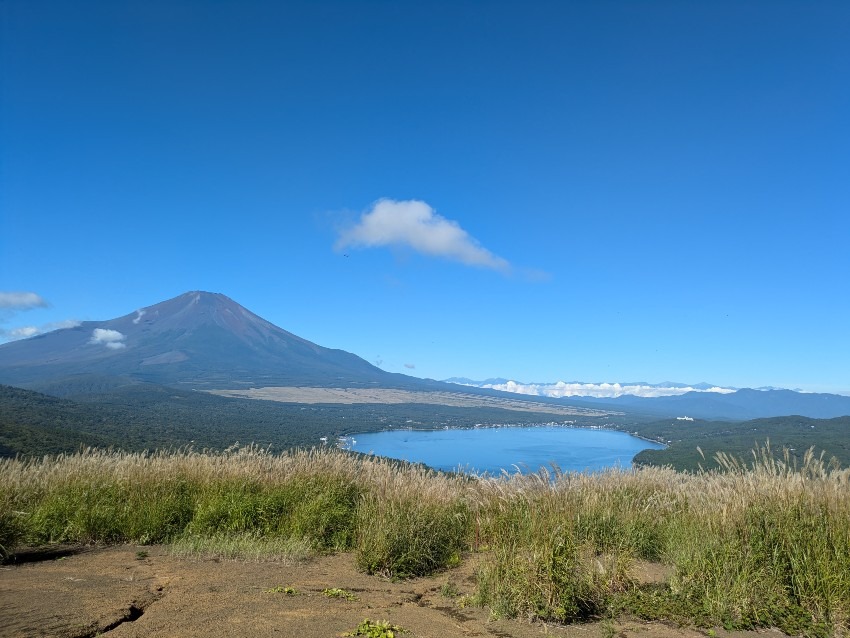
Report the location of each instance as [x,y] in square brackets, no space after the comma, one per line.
[135,611]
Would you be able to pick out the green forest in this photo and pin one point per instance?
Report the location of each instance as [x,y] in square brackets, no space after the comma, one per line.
[694,444]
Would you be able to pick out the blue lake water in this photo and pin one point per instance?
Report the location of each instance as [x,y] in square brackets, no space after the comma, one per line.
[493,449]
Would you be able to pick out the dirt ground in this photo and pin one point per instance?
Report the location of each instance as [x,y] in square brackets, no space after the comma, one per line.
[129,591]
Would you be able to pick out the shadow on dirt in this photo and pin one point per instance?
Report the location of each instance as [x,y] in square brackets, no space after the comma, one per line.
[41,554]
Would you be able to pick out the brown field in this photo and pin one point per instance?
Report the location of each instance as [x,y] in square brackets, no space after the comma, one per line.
[381,395]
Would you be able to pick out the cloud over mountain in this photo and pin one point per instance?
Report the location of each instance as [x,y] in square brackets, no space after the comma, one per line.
[11,303]
[22,332]
[414,224]
[599,390]
[112,339]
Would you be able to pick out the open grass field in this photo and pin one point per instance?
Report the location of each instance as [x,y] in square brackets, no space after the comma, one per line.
[307,395]
[761,545]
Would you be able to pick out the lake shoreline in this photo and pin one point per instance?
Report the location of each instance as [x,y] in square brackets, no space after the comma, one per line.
[481,449]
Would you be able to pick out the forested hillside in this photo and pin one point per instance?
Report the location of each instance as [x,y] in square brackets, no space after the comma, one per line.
[685,439]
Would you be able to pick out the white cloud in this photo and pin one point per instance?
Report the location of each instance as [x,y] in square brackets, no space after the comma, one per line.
[410,366]
[517,388]
[415,224]
[139,315]
[11,303]
[22,333]
[59,325]
[112,339]
[21,300]
[597,390]
[25,332]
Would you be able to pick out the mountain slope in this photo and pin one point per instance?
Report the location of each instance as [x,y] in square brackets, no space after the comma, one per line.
[198,339]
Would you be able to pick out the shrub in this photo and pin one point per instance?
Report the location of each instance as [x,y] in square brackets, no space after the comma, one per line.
[412,528]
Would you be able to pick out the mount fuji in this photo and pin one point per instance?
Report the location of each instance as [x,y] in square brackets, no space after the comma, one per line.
[195,340]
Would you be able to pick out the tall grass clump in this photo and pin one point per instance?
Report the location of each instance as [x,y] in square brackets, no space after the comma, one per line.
[560,546]
[318,509]
[766,544]
[751,545]
[411,522]
[12,525]
[104,497]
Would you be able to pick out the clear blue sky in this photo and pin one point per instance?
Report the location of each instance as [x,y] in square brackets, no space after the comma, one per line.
[608,190]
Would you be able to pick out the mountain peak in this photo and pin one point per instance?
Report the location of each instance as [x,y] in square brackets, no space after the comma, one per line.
[202,298]
[199,338]
[196,308]
[194,299]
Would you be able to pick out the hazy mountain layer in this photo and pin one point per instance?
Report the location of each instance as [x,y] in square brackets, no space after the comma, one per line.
[701,400]
[741,405]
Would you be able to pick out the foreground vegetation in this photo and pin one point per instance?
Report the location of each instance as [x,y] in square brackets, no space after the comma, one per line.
[758,544]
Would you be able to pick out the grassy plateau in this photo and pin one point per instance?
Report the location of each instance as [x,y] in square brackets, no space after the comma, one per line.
[764,543]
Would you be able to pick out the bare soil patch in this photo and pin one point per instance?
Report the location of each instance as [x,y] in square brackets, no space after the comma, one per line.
[120,592]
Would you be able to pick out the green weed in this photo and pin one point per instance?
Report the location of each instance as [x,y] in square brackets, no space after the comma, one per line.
[336,592]
[379,629]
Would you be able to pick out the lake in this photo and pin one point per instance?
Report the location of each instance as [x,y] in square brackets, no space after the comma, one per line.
[493,449]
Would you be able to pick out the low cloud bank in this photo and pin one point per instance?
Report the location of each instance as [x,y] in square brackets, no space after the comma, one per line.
[597,390]
[24,332]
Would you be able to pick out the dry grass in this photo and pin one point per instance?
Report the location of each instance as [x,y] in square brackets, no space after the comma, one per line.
[762,543]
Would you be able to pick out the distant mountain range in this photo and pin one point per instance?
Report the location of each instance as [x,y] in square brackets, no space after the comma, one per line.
[740,405]
[701,400]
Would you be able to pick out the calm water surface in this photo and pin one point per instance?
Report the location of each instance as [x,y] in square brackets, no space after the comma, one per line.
[494,449]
